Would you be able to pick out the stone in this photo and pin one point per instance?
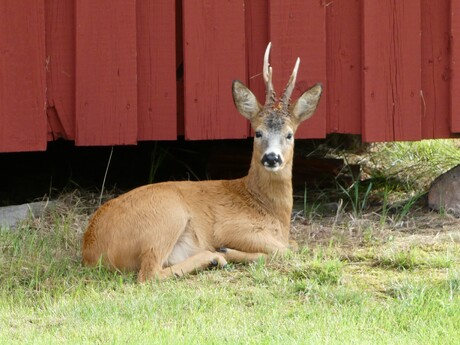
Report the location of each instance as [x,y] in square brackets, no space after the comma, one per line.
[10,216]
[444,193]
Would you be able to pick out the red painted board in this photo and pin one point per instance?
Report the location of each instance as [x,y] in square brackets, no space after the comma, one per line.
[256,13]
[179,70]
[23,124]
[392,70]
[60,68]
[297,28]
[156,70]
[455,83]
[436,73]
[343,59]
[214,55]
[106,80]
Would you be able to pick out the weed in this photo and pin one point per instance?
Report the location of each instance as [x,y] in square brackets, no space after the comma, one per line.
[311,209]
[357,195]
[403,208]
[320,272]
[385,206]
[156,159]
[105,176]
[414,164]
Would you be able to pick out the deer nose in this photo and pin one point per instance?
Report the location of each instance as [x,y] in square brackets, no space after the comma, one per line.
[271,159]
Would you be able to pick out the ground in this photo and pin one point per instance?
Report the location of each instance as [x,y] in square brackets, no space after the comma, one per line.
[354,280]
[375,266]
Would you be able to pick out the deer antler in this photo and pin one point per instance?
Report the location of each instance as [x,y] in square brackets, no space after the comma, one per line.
[290,85]
[267,73]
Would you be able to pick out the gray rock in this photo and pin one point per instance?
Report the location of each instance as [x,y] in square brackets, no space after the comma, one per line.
[10,216]
[444,194]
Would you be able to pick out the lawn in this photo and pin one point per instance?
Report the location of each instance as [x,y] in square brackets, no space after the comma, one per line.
[383,276]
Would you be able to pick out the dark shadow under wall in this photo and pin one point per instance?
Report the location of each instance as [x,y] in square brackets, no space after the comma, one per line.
[29,176]
[32,176]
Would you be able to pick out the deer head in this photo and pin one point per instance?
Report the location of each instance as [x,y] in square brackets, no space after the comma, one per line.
[276,122]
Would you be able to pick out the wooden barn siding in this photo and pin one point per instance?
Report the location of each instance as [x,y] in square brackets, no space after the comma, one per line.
[23,123]
[297,28]
[214,55]
[60,68]
[392,77]
[104,72]
[455,67]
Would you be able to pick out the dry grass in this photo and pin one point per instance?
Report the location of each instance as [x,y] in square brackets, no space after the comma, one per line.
[344,229]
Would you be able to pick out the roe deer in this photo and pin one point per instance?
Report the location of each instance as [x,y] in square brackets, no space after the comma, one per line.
[175,228]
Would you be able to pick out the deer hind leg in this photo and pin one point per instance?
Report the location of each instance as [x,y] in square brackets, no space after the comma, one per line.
[150,267]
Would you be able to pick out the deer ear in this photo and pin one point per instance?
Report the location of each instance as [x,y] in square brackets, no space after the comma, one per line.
[245,101]
[306,105]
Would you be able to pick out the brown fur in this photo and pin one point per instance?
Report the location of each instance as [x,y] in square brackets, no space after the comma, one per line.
[175,228]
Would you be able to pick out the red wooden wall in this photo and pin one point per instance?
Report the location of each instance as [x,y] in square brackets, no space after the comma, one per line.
[116,72]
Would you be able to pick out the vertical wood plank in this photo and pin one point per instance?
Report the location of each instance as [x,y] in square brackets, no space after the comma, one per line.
[179,70]
[23,124]
[298,29]
[214,55]
[106,81]
[60,68]
[455,83]
[256,12]
[344,83]
[435,69]
[392,70]
[156,68]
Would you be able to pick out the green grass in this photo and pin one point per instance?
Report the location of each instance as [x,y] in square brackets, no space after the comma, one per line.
[371,273]
[393,180]
[377,294]
[413,165]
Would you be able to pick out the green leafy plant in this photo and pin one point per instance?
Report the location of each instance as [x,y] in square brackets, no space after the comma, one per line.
[357,195]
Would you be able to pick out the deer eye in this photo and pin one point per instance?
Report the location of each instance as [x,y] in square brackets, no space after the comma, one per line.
[289,136]
[258,134]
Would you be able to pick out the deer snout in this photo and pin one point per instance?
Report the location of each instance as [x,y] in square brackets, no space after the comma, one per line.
[271,160]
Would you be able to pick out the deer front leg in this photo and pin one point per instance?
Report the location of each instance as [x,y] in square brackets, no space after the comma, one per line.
[236,256]
[293,246]
[249,247]
[195,263]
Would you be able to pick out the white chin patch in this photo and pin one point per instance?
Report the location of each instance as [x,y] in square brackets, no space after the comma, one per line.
[272,169]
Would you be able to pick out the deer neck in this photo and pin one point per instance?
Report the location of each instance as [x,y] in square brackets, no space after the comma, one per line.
[272,190]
